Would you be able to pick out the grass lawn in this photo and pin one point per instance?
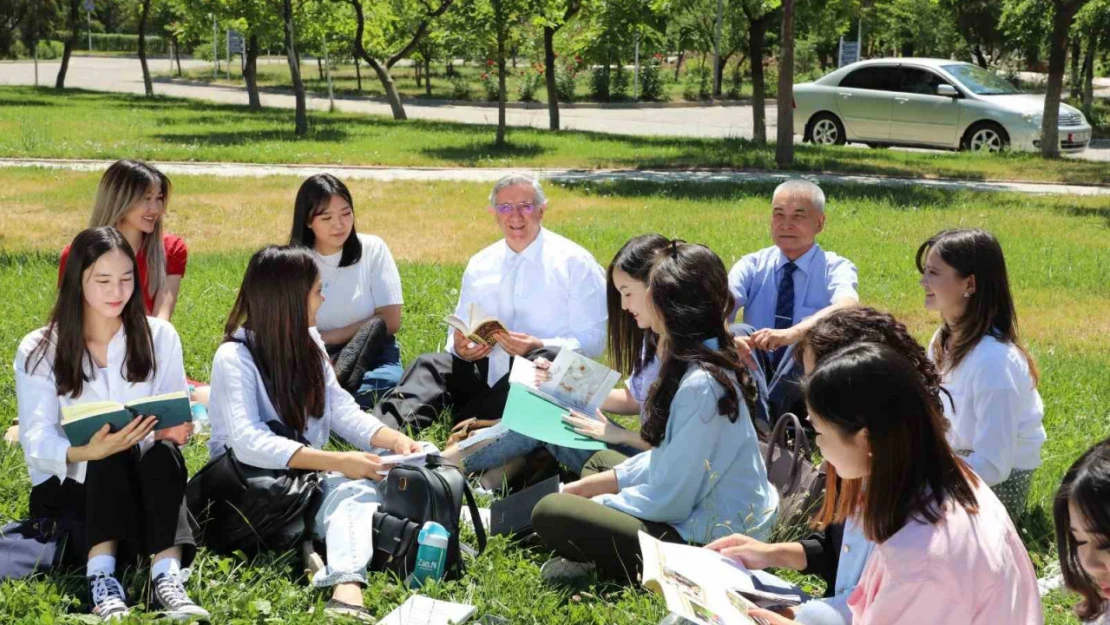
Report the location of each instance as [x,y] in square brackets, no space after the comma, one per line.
[1056,249]
[78,124]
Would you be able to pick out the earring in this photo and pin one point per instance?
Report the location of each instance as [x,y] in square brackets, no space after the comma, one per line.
[967,295]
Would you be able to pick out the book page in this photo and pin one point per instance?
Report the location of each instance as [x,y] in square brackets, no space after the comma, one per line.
[76,412]
[162,397]
[421,610]
[579,382]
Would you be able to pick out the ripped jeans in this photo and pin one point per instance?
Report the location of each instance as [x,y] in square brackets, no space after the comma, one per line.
[508,444]
[343,523]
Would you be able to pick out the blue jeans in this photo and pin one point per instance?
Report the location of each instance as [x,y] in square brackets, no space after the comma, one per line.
[508,444]
[343,523]
[382,375]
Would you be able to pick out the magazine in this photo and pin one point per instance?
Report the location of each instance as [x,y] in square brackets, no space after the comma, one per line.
[575,381]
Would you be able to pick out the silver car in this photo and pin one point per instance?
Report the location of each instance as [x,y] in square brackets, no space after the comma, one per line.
[933,103]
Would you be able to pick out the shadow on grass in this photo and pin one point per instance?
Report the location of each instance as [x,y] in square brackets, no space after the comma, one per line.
[478,150]
[1073,210]
[27,257]
[317,132]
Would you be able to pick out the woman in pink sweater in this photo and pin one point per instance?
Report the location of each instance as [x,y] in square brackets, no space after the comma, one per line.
[946,550]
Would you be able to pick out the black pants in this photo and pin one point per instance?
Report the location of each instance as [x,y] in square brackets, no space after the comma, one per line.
[135,499]
[436,381]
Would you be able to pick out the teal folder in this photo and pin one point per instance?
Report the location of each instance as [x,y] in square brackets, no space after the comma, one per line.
[529,413]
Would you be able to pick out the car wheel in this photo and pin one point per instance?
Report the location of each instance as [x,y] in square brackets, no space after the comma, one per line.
[825,129]
[985,137]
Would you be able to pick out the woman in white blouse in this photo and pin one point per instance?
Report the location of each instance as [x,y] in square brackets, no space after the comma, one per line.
[359,277]
[125,489]
[272,375]
[995,410]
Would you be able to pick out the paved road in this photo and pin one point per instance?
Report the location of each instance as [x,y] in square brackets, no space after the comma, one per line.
[124,75]
[491,174]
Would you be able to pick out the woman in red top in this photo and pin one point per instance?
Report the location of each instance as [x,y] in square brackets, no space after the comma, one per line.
[133,197]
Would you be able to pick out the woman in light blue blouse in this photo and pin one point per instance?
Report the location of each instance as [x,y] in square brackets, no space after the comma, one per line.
[704,477]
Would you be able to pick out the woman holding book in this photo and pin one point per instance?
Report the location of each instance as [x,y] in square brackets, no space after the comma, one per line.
[837,551]
[499,452]
[123,491]
[996,413]
[704,477]
[1082,511]
[361,312]
[276,400]
[946,551]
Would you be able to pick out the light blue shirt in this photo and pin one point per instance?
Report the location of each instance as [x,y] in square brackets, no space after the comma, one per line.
[706,478]
[855,550]
[821,278]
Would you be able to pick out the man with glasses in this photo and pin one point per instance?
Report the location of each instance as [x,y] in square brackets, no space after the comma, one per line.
[547,290]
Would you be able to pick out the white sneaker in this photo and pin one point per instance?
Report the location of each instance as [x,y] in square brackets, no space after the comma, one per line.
[108,599]
[171,600]
[563,571]
[313,563]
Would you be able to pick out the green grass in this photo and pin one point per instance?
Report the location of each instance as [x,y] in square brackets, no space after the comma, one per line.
[1055,247]
[40,123]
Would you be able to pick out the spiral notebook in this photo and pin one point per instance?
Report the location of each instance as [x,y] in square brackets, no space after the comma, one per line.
[421,610]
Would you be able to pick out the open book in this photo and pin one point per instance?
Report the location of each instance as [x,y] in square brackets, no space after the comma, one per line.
[478,326]
[706,588]
[421,610]
[575,382]
[81,421]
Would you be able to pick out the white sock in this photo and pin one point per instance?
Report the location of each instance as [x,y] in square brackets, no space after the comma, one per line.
[101,564]
[171,566]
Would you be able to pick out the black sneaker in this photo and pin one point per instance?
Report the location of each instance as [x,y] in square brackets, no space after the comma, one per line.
[171,600]
[108,599]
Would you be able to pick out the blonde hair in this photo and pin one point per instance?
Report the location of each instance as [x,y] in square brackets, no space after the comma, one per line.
[124,183]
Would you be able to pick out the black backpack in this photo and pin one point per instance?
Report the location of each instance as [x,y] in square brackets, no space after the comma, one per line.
[412,495]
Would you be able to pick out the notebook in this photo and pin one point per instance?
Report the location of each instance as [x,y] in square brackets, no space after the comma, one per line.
[81,421]
[512,516]
[421,610]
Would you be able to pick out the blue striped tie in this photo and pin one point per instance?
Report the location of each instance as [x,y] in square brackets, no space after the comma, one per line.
[784,309]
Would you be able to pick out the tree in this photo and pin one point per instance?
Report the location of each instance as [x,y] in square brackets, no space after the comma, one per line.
[1094,21]
[1063,13]
[564,11]
[978,23]
[70,43]
[301,119]
[760,14]
[142,48]
[402,28]
[784,142]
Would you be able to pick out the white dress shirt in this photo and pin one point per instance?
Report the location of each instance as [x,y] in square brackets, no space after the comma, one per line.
[239,408]
[40,407]
[996,413]
[554,290]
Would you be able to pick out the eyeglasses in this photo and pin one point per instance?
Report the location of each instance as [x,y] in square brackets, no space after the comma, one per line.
[526,208]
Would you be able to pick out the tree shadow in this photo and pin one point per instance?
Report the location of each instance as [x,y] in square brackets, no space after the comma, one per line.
[246,137]
[477,151]
[1075,210]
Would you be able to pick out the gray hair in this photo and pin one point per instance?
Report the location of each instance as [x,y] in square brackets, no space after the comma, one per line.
[804,188]
[515,179]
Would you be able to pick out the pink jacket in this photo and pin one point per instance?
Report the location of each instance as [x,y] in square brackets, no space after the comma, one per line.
[965,570]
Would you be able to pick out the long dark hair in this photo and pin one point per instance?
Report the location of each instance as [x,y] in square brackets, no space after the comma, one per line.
[913,470]
[990,309]
[312,199]
[630,348]
[273,306]
[689,290]
[66,327]
[1087,485]
[848,326]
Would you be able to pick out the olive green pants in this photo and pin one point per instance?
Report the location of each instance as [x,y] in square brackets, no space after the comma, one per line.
[580,529]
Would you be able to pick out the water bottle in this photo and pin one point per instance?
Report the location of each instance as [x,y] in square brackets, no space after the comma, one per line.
[431,557]
[200,417]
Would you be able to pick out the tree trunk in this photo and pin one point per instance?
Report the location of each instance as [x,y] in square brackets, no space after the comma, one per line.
[784,141]
[1076,54]
[678,64]
[979,58]
[250,72]
[499,20]
[382,71]
[756,35]
[358,73]
[549,77]
[70,44]
[1057,65]
[301,123]
[320,67]
[1088,87]
[177,55]
[428,76]
[417,70]
[142,49]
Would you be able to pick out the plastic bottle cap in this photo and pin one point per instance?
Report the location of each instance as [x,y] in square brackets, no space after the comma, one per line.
[434,534]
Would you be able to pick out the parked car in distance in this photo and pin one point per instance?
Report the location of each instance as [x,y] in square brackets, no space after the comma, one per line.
[934,103]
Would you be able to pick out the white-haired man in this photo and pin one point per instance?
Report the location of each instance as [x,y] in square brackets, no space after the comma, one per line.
[547,290]
[786,288]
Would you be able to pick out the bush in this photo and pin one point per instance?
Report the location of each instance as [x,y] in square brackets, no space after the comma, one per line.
[599,83]
[619,86]
[204,51]
[529,82]
[697,84]
[460,88]
[566,83]
[125,43]
[651,81]
[490,85]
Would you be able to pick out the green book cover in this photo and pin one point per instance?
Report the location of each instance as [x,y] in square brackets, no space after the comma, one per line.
[530,414]
[81,421]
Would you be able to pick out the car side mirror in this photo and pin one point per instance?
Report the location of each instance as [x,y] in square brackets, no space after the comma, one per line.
[947,91]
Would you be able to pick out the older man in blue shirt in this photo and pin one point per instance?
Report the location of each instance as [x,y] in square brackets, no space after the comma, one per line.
[786,288]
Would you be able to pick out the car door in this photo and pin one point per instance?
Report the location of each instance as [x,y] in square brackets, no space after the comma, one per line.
[918,114]
[864,98]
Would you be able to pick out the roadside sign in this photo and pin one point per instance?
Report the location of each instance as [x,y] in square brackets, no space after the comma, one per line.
[89,6]
[234,42]
[849,52]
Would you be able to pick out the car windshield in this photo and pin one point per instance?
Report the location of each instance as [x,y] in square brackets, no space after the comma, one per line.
[980,81]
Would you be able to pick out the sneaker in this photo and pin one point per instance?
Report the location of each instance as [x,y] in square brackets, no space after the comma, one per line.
[108,599]
[335,609]
[313,563]
[171,600]
[563,571]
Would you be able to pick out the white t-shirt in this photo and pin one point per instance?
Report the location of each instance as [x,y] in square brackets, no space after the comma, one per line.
[997,414]
[353,293]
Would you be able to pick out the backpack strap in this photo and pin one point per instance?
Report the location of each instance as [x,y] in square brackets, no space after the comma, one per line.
[475,517]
